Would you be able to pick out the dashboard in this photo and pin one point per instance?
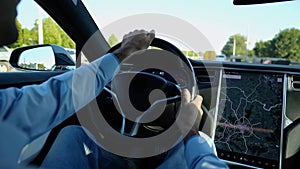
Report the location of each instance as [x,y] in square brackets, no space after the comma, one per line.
[248,107]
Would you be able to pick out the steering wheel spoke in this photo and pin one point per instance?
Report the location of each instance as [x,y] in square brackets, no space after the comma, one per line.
[151,89]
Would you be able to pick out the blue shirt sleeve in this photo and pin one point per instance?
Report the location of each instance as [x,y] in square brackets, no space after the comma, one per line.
[35,109]
[200,155]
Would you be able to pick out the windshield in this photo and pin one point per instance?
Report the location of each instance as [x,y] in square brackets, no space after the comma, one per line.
[204,28]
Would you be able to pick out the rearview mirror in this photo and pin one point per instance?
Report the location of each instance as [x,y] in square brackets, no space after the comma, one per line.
[42,57]
[253,2]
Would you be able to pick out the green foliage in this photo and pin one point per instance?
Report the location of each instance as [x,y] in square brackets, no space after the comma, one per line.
[191,54]
[34,33]
[30,37]
[19,41]
[251,53]
[51,32]
[41,67]
[287,44]
[209,55]
[66,41]
[264,49]
[113,40]
[27,36]
[240,43]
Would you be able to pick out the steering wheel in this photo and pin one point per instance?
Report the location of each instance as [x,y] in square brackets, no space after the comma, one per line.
[143,98]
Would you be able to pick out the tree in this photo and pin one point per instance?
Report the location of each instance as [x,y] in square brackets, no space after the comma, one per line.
[240,43]
[30,37]
[113,40]
[209,55]
[251,53]
[19,41]
[287,44]
[41,66]
[264,49]
[67,42]
[34,33]
[51,32]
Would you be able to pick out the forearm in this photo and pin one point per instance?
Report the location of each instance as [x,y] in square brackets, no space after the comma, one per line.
[35,109]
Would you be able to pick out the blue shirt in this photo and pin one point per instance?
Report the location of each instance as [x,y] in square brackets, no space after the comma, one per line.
[27,113]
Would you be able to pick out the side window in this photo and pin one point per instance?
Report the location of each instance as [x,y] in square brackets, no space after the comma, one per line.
[4,57]
[35,27]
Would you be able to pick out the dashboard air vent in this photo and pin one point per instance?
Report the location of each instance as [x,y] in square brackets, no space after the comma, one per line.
[296,82]
[206,77]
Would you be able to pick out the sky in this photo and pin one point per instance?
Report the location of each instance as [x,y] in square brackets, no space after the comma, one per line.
[216,20]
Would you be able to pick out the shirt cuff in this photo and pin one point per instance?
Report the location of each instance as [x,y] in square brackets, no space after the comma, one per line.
[116,58]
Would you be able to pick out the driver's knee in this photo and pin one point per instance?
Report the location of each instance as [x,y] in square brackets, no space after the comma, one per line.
[71,145]
[72,132]
[175,158]
[71,136]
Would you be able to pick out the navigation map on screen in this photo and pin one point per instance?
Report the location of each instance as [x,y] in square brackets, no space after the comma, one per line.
[249,117]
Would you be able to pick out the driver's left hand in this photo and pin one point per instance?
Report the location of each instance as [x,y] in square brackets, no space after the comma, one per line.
[134,41]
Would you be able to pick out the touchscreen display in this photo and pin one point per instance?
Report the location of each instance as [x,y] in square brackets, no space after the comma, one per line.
[248,128]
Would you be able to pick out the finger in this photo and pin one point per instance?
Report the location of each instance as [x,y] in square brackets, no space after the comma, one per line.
[141,31]
[186,96]
[152,31]
[132,33]
[151,37]
[151,34]
[198,101]
[127,35]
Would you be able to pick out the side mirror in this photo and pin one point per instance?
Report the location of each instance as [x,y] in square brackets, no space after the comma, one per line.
[42,57]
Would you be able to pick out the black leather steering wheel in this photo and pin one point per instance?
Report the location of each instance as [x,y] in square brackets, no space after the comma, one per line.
[137,79]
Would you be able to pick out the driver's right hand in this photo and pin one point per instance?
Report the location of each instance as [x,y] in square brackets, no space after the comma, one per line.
[192,106]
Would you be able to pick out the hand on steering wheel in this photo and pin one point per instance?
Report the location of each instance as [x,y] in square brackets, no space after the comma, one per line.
[151,70]
[134,41]
[151,82]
